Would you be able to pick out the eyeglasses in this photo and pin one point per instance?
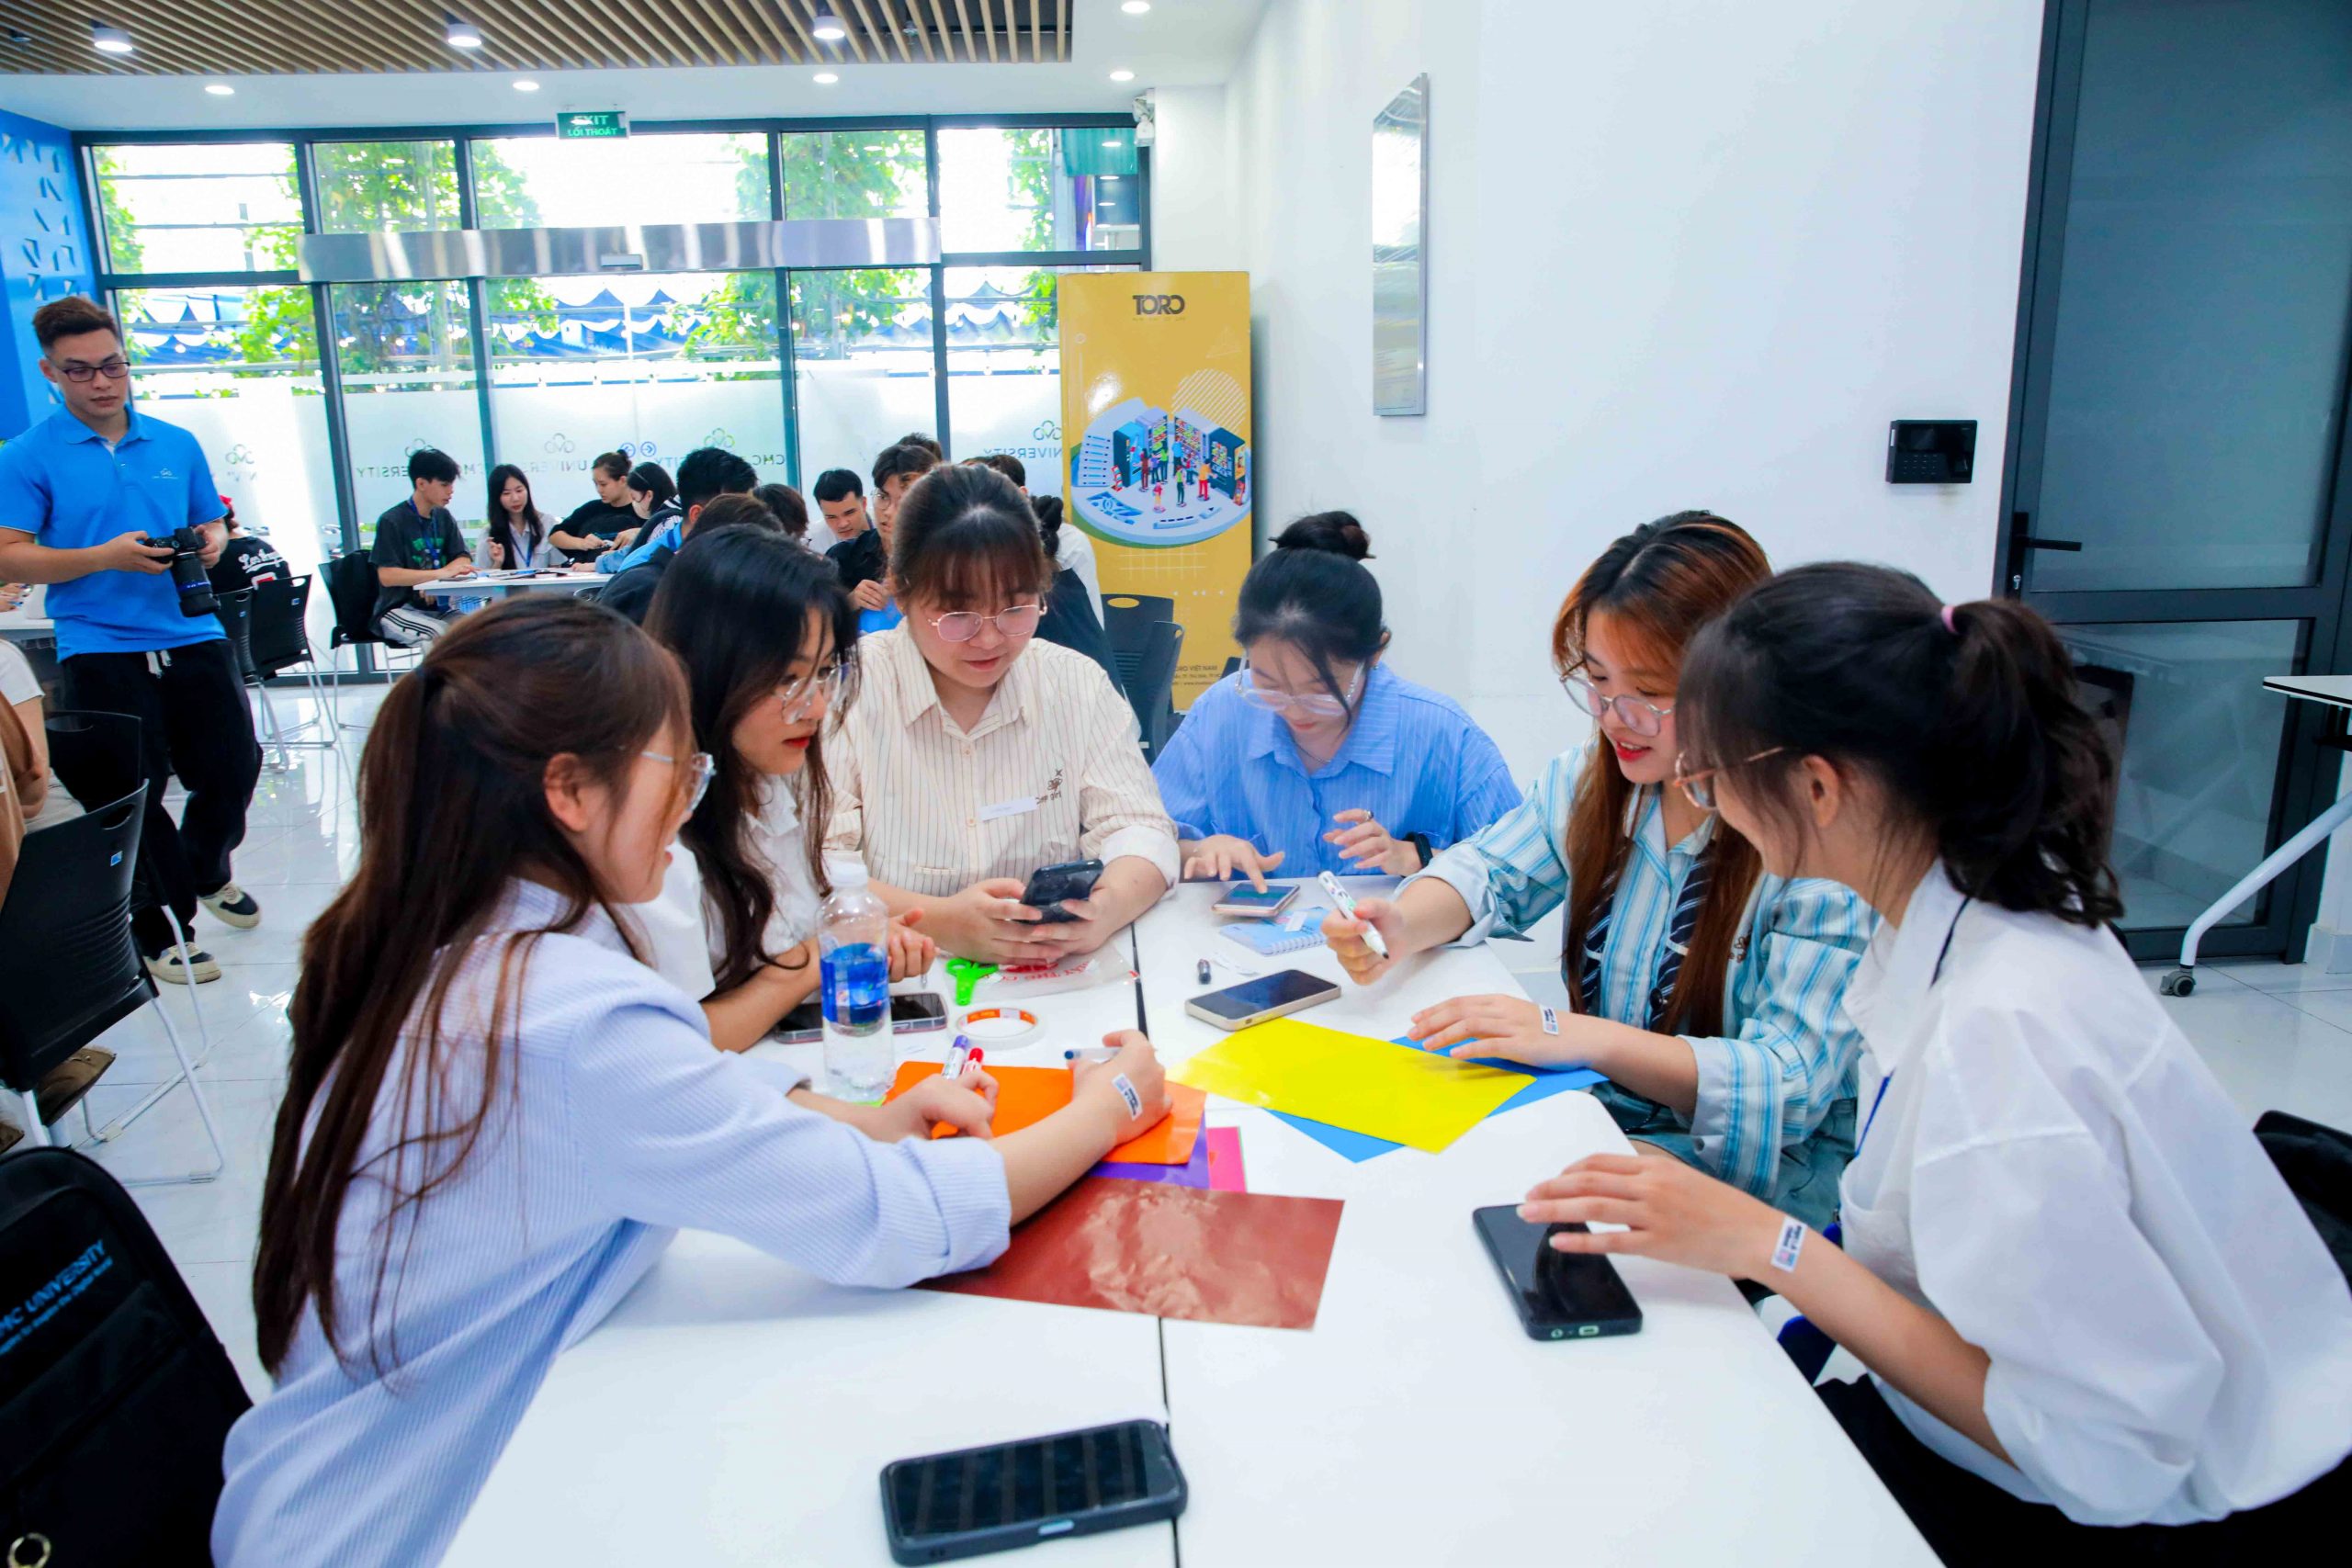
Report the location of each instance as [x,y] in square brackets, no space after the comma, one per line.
[1699,788]
[112,369]
[700,768]
[1640,717]
[1307,705]
[963,626]
[801,699]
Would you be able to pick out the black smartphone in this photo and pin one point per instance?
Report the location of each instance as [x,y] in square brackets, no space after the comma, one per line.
[910,1014]
[1048,886]
[1269,996]
[991,1499]
[1559,1295]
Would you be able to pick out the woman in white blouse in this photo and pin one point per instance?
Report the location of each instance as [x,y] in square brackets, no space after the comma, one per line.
[735,927]
[977,755]
[2086,1296]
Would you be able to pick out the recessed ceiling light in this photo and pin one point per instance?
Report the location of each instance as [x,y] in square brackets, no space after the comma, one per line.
[827,26]
[525,85]
[461,35]
[826,78]
[1122,76]
[108,41]
[1135,7]
[220,89]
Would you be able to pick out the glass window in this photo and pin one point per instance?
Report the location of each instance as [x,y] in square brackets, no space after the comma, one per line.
[1073,188]
[239,369]
[406,355]
[526,182]
[218,206]
[651,364]
[1004,371]
[855,173]
[860,361]
[367,187]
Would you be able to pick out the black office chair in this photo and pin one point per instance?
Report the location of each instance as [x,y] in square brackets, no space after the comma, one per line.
[119,1396]
[1127,620]
[351,586]
[281,641]
[70,970]
[235,612]
[1151,690]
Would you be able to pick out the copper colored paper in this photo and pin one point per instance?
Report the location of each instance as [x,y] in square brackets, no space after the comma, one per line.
[1207,1256]
[1025,1095]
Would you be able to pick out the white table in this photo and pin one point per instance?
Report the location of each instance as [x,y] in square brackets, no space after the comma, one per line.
[733,1410]
[470,587]
[2334,693]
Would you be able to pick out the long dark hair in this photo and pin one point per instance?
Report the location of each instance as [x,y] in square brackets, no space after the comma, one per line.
[1974,729]
[965,535]
[1659,584]
[501,524]
[1313,592]
[655,479]
[452,808]
[1048,509]
[731,606]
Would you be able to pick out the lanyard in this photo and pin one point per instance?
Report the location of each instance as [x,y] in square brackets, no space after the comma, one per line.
[1880,1098]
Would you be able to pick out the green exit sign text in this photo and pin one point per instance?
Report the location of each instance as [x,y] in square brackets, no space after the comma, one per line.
[591,125]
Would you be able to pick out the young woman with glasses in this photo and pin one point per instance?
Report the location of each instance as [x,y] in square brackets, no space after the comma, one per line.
[494,1120]
[1314,756]
[979,754]
[735,927]
[1707,992]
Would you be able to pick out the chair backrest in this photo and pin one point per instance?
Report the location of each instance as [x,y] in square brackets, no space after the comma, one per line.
[67,964]
[95,755]
[281,631]
[1151,690]
[1127,620]
[351,585]
[116,1396]
[2316,1161]
[235,612]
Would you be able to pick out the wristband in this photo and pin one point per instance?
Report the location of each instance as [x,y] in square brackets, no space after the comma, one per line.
[1127,1093]
[1792,1242]
[1551,1020]
[1000,1026]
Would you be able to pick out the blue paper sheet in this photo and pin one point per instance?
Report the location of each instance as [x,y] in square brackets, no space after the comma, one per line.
[1358,1148]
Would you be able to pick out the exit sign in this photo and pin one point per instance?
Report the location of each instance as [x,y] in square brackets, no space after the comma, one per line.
[591,125]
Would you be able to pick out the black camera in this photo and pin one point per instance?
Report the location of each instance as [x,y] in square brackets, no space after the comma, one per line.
[187,570]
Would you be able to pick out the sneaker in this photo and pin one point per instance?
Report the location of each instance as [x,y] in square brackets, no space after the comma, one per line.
[233,906]
[167,966]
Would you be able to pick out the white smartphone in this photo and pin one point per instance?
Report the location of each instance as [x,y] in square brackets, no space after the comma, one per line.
[1255,1001]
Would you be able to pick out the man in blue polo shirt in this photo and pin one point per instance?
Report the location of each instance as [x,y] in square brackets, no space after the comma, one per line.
[79,491]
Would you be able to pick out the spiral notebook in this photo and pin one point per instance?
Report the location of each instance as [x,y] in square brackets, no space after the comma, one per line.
[1268,938]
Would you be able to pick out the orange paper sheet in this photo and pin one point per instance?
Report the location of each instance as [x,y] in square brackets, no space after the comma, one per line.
[1025,1095]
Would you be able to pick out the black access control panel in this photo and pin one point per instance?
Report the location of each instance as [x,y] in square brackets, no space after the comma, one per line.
[1930,451]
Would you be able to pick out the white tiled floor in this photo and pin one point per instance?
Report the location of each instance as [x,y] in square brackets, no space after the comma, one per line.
[2277,1037]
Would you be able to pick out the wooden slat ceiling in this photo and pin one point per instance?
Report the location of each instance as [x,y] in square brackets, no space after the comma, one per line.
[241,38]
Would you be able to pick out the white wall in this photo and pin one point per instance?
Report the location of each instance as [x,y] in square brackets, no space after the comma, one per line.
[1683,252]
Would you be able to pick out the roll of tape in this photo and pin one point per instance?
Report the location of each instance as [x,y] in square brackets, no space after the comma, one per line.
[1000,1026]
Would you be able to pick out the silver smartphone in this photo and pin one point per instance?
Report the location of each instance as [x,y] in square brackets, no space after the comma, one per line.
[1255,1001]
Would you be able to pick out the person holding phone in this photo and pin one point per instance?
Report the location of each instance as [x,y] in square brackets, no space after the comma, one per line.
[495,1121]
[1706,991]
[979,755]
[1314,756]
[735,926]
[2094,1315]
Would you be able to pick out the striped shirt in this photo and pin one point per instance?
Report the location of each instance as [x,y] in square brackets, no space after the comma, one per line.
[1053,771]
[1775,1110]
[1412,758]
[619,1123]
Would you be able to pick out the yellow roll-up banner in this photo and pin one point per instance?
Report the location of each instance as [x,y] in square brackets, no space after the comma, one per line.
[1157,447]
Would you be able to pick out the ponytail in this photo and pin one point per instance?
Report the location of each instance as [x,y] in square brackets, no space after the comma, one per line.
[1967,716]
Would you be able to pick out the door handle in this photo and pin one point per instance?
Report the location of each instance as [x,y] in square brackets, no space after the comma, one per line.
[2070,545]
[2021,539]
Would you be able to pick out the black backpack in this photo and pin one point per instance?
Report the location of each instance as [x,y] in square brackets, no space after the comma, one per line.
[114,1396]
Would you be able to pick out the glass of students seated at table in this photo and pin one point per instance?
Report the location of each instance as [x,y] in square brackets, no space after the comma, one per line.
[1705,990]
[1314,720]
[591,527]
[963,702]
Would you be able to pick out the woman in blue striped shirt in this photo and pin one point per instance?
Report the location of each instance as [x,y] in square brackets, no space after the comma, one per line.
[1707,992]
[1314,756]
[493,1119]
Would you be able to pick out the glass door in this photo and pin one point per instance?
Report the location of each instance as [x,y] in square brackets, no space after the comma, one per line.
[2178,500]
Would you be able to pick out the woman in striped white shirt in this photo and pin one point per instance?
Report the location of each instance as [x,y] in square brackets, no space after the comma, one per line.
[493,1119]
[977,755]
[1707,992]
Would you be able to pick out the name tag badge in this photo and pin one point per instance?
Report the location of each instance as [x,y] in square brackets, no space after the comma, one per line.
[1012,807]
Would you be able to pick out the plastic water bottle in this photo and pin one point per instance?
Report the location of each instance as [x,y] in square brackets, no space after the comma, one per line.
[853,960]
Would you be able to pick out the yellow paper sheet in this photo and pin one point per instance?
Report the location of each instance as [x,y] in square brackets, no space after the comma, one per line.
[1352,1081]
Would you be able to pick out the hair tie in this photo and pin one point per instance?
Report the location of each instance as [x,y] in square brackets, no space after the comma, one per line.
[1948,626]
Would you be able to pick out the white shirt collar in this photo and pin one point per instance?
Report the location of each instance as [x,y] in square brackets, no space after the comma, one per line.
[1890,984]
